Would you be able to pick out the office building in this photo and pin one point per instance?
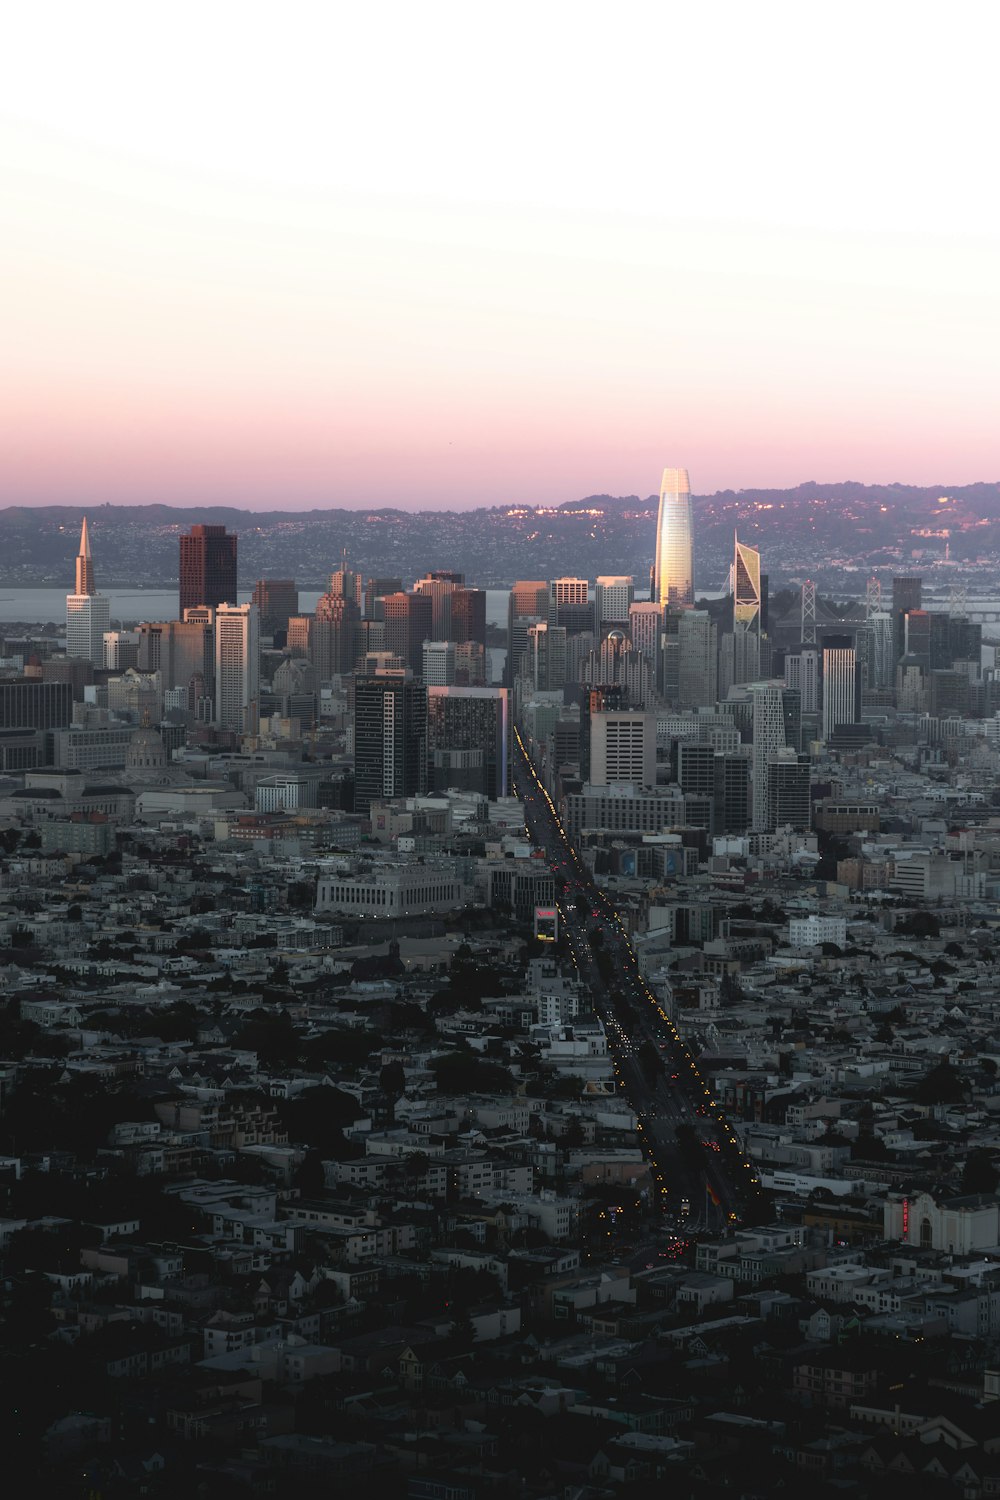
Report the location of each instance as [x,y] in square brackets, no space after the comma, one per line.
[907,594]
[277,599]
[237,667]
[375,591]
[207,568]
[468,617]
[182,651]
[29,703]
[527,604]
[334,635]
[613,595]
[645,626]
[622,748]
[409,621]
[673,568]
[875,650]
[439,586]
[768,742]
[438,663]
[802,675]
[545,657]
[88,613]
[345,583]
[121,650]
[468,740]
[732,792]
[390,738]
[841,684]
[788,791]
[747,597]
[570,605]
[697,659]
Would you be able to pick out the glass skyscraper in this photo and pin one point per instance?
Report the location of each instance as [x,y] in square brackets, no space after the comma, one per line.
[673,575]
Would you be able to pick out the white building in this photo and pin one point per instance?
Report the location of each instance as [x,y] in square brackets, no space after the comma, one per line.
[439,663]
[768,740]
[613,598]
[391,892]
[623,749]
[237,667]
[957,1225]
[807,932]
[88,613]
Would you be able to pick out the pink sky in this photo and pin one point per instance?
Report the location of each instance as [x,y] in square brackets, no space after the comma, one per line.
[304,260]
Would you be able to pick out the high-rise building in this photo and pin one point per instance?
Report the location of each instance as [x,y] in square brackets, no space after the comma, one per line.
[208,567]
[917,636]
[88,613]
[333,639]
[468,617]
[613,595]
[907,594]
[841,684]
[788,791]
[876,655]
[121,650]
[527,604]
[673,569]
[237,667]
[468,742]
[390,738]
[768,741]
[623,748]
[732,792]
[180,650]
[570,605]
[346,584]
[29,703]
[376,589]
[439,586]
[545,657]
[746,613]
[438,664]
[802,675]
[697,659]
[645,626]
[277,599]
[409,621]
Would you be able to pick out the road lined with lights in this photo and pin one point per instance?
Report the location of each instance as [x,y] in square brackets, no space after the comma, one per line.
[702,1178]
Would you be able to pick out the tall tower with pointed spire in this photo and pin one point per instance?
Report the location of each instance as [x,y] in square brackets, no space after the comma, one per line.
[88,613]
[84,564]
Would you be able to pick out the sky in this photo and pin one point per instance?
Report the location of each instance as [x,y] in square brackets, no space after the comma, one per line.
[448,255]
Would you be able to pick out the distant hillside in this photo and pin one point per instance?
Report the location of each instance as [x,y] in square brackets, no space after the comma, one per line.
[819,529]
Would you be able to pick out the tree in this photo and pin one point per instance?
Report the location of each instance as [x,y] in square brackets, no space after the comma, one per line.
[392,1079]
[942,1085]
[980,1174]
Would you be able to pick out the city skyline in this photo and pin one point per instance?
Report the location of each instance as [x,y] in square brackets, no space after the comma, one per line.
[519,310]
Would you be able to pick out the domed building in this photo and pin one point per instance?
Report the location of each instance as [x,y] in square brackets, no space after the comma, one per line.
[146,751]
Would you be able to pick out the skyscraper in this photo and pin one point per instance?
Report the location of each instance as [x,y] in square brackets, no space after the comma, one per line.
[468,617]
[237,667]
[277,599]
[468,745]
[439,586]
[841,684]
[570,605]
[613,597]
[333,639]
[527,604]
[623,748]
[698,659]
[208,567]
[88,613]
[768,741]
[409,621]
[390,737]
[746,613]
[907,594]
[673,576]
